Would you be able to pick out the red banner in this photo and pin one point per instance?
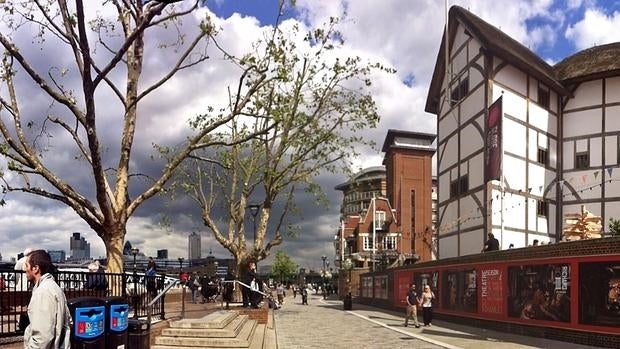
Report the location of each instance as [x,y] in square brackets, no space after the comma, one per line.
[491,291]
[493,159]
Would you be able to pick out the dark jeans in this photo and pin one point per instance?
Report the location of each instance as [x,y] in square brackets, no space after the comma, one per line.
[427,315]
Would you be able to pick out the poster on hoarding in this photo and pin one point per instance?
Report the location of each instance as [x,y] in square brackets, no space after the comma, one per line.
[491,291]
[403,280]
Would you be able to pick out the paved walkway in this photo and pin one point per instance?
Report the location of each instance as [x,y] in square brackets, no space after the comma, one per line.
[323,324]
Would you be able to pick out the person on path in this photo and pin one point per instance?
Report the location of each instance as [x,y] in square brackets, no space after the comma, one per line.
[280,293]
[492,244]
[426,299]
[229,287]
[412,306]
[304,295]
[48,312]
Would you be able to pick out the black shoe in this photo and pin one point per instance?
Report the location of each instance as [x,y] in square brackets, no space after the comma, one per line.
[417,326]
[405,325]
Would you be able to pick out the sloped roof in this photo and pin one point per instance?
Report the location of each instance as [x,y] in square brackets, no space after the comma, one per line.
[590,63]
[497,43]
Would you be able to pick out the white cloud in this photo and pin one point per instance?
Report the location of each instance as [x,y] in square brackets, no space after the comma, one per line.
[596,28]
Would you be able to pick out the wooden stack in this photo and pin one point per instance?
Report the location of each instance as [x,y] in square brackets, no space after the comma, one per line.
[581,226]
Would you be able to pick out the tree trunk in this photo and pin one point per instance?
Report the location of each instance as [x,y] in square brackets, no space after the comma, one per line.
[114,249]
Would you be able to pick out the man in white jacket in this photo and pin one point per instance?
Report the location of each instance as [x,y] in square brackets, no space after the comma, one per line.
[49,315]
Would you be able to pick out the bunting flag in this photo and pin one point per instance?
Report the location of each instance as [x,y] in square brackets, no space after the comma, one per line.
[540,188]
[610,170]
[570,180]
[584,178]
[596,174]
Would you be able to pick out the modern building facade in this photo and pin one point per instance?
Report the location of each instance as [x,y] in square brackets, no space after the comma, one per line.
[79,247]
[520,142]
[162,254]
[57,256]
[390,207]
[193,246]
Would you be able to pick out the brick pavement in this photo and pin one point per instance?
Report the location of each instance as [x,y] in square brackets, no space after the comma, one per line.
[324,324]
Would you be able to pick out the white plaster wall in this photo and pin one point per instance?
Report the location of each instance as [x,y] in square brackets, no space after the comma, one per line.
[612,189]
[444,184]
[552,223]
[533,145]
[514,211]
[596,152]
[472,242]
[451,153]
[541,224]
[510,237]
[446,126]
[459,39]
[542,119]
[448,247]
[514,172]
[583,122]
[612,90]
[553,153]
[448,222]
[553,102]
[514,137]
[513,77]
[550,178]
[533,93]
[588,93]
[473,104]
[514,105]
[474,49]
[537,179]
[611,150]
[469,210]
[569,155]
[612,117]
[460,60]
[475,76]
[531,215]
[476,171]
[581,145]
[471,140]
[494,218]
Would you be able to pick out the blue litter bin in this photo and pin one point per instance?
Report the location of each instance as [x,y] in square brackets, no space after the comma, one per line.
[117,316]
[88,315]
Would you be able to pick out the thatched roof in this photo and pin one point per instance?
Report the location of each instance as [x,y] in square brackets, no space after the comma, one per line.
[590,63]
[497,43]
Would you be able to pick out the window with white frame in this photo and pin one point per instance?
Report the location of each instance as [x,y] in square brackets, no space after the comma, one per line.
[389,243]
[367,243]
[380,218]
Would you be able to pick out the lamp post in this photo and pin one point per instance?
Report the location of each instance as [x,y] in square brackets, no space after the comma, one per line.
[323,274]
[182,288]
[254,212]
[134,252]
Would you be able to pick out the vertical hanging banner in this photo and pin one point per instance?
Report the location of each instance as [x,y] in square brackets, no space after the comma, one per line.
[493,160]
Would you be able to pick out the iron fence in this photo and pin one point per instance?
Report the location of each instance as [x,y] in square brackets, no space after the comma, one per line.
[15,293]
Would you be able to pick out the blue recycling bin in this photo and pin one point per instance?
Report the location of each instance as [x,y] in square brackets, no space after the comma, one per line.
[117,316]
[88,315]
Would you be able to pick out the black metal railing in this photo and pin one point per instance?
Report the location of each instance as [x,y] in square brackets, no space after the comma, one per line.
[15,293]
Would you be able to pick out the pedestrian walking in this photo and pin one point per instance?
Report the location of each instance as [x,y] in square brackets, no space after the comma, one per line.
[426,299]
[304,294]
[48,312]
[280,293]
[412,306]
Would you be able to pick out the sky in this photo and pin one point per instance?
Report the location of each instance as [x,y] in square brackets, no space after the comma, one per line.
[403,34]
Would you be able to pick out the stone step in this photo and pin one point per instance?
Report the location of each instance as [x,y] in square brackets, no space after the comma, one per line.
[230,331]
[218,319]
[270,341]
[243,340]
[258,337]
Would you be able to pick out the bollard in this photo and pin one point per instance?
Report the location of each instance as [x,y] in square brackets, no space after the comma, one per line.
[88,315]
[117,316]
[348,302]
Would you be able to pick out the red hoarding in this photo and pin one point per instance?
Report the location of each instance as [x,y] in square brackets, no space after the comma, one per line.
[491,291]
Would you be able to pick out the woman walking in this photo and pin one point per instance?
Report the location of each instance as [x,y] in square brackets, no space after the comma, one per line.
[427,305]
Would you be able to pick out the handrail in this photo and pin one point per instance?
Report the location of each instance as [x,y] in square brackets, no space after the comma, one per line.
[242,284]
[161,294]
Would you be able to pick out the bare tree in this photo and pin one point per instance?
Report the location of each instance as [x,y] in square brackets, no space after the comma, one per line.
[106,44]
[310,109]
